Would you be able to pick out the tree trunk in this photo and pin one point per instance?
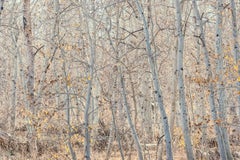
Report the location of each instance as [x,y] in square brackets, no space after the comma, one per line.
[92,42]
[181,87]
[221,82]
[30,73]
[134,133]
[210,83]
[174,98]
[236,51]
[157,90]
[15,35]
[1,9]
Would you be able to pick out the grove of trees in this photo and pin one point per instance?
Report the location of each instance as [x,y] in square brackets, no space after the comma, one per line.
[119,79]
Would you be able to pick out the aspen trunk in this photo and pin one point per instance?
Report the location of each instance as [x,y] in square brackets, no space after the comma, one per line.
[30,73]
[134,133]
[210,83]
[221,82]
[92,47]
[157,90]
[181,87]
[236,50]
[15,35]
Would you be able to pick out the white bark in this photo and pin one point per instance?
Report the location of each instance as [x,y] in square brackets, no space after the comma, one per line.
[30,72]
[90,28]
[157,90]
[146,107]
[113,129]
[68,103]
[181,87]
[123,92]
[134,133]
[211,86]
[236,48]
[221,82]
[174,98]
[1,9]
[15,70]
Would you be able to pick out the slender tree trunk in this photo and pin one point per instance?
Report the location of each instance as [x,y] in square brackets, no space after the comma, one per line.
[92,43]
[127,109]
[157,90]
[114,103]
[67,84]
[1,9]
[54,47]
[15,35]
[133,98]
[113,129]
[55,39]
[67,76]
[123,91]
[210,81]
[146,108]
[236,50]
[30,55]
[14,89]
[30,72]
[86,112]
[95,108]
[174,98]
[221,82]
[181,87]
[200,110]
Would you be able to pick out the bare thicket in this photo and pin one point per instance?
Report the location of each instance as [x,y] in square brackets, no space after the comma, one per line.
[119,79]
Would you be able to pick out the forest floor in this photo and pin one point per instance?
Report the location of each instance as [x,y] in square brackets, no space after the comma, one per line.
[95,156]
[52,148]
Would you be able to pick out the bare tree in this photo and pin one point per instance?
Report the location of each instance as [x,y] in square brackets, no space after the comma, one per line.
[157,90]
[211,86]
[92,42]
[1,9]
[15,36]
[181,87]
[235,46]
[221,82]
[27,27]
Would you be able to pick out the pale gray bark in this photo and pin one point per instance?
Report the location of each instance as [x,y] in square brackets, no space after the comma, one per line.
[14,89]
[53,45]
[14,36]
[221,82]
[127,109]
[55,39]
[236,48]
[200,103]
[92,42]
[94,108]
[146,107]
[27,29]
[181,87]
[87,106]
[133,98]
[113,129]
[157,90]
[123,92]
[30,54]
[174,90]
[210,81]
[48,61]
[68,103]
[1,9]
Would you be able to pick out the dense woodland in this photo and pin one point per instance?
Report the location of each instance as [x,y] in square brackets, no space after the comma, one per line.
[119,79]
